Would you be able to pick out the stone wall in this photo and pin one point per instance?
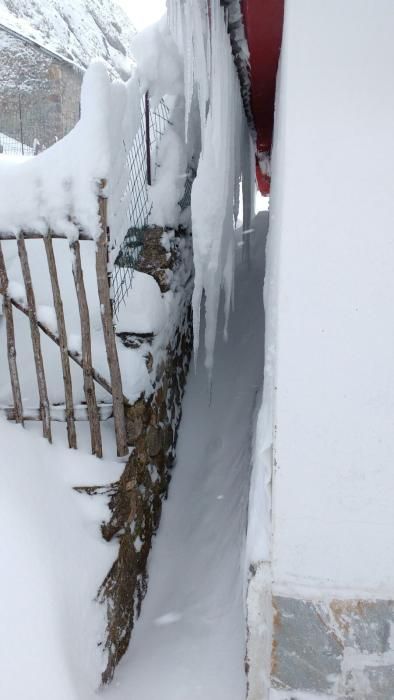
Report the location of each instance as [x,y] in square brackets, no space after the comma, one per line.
[333,648]
[39,93]
[152,425]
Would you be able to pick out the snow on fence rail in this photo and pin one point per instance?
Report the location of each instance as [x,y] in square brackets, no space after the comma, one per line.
[92,185]
[71,413]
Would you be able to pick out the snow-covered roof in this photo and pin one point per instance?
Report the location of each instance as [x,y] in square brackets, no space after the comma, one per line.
[33,42]
[74,30]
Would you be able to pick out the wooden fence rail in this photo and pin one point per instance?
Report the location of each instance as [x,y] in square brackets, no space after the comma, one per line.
[69,412]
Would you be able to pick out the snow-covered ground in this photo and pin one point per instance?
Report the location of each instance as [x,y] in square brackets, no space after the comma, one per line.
[53,559]
[192,628]
[11,148]
[189,643]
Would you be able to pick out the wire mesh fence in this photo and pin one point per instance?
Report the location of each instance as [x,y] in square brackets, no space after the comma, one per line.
[29,126]
[141,163]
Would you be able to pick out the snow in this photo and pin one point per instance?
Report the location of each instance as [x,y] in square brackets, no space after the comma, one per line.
[159,67]
[74,343]
[159,70]
[169,184]
[259,517]
[77,30]
[13,148]
[124,124]
[47,316]
[194,611]
[58,191]
[136,378]
[284,695]
[192,626]
[17,291]
[145,310]
[168,619]
[331,262]
[58,188]
[53,559]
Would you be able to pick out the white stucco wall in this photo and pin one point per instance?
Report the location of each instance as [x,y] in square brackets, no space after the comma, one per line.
[332,227]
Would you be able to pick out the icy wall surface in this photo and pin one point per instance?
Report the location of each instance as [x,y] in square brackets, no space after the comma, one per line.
[215,121]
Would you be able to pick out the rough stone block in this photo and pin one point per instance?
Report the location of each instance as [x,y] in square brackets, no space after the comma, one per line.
[339,648]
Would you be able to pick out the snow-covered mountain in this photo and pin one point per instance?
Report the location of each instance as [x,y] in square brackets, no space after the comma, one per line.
[78,30]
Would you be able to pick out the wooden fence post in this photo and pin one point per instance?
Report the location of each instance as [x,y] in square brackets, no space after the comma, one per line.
[11,348]
[35,338]
[62,335]
[89,388]
[109,333]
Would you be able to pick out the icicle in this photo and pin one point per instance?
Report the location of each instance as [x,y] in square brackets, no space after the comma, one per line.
[210,76]
[200,39]
[248,177]
[188,64]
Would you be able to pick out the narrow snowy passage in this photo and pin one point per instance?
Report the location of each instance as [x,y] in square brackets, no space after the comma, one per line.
[189,643]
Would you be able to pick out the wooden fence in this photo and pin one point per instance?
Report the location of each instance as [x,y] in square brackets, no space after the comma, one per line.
[71,413]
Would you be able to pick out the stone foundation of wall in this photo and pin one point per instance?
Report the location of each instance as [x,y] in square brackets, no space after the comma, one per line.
[337,648]
[152,425]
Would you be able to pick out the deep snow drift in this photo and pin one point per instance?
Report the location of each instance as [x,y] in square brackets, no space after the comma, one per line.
[192,628]
[53,559]
[189,643]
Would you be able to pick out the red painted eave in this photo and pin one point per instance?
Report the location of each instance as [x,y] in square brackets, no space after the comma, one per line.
[263,21]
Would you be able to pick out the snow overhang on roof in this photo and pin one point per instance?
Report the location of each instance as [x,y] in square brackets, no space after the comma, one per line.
[44,49]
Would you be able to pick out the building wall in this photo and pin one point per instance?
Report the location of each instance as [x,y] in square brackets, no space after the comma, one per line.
[330,289]
[39,93]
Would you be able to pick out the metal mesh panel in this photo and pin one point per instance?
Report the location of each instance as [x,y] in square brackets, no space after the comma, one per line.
[138,207]
[28,127]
